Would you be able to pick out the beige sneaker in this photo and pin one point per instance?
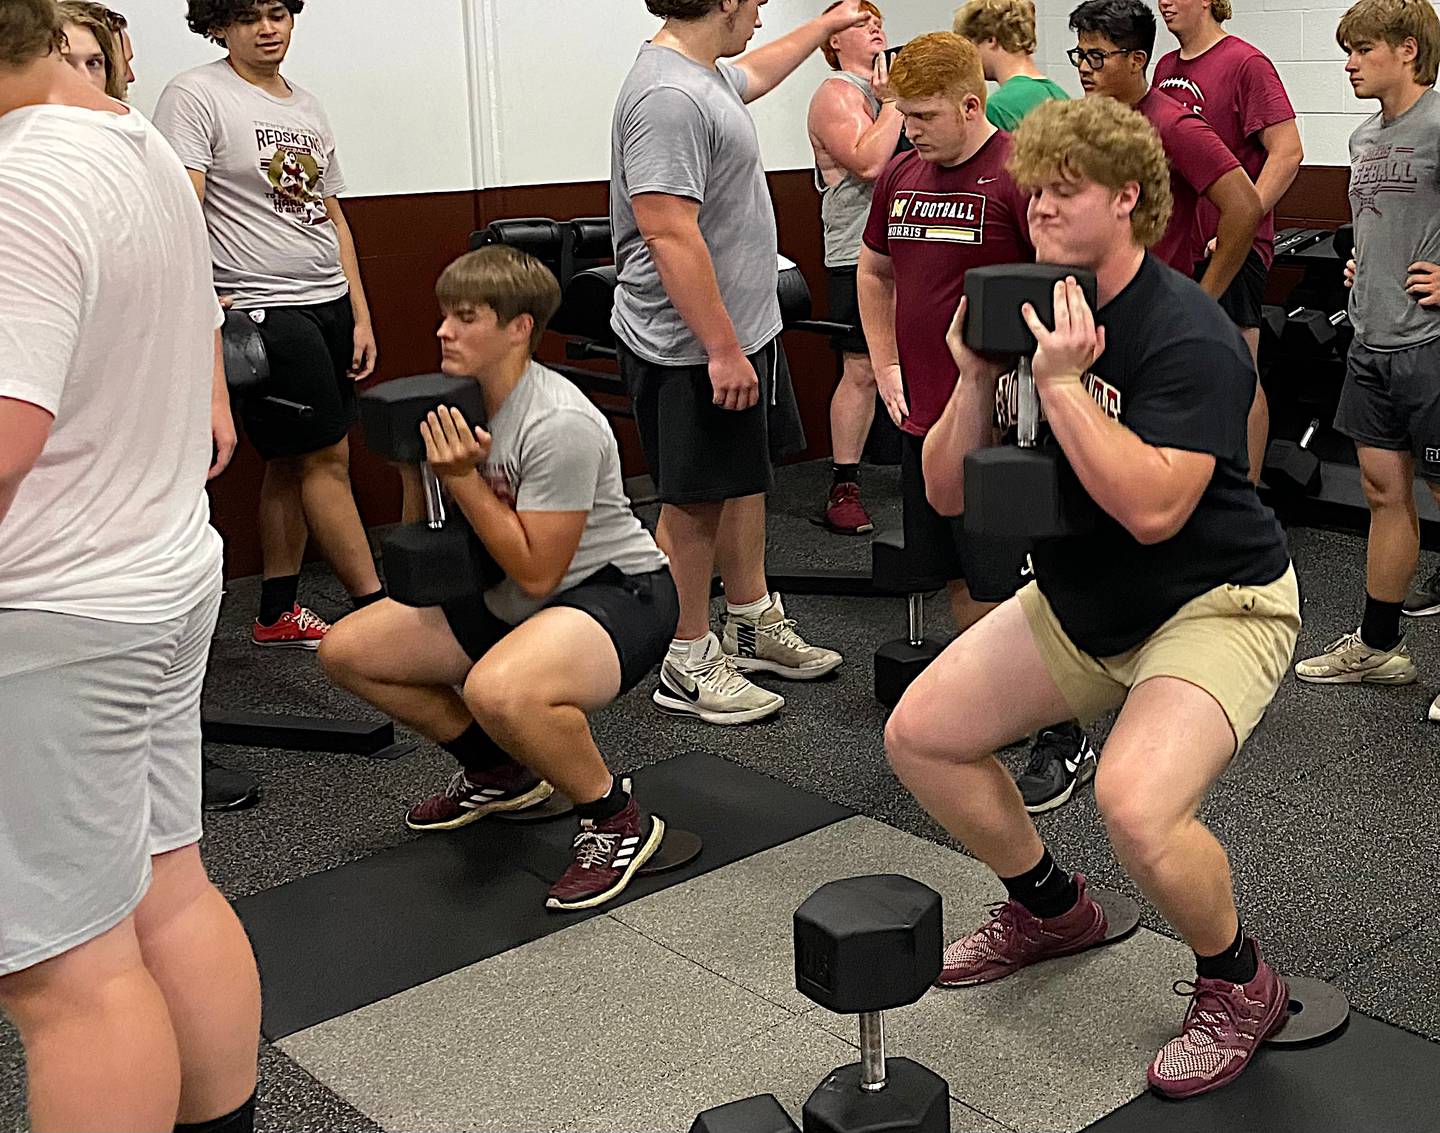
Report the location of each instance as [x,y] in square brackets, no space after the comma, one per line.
[1348,660]
[769,644]
[708,686]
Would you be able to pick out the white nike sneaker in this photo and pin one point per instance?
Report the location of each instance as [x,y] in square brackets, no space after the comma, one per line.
[709,687]
[769,644]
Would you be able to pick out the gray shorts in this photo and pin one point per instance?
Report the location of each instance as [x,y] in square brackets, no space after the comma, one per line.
[100,769]
[1391,400]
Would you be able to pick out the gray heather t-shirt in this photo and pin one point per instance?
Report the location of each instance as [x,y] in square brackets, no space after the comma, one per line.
[683,129]
[845,205]
[552,450]
[269,164]
[1395,205]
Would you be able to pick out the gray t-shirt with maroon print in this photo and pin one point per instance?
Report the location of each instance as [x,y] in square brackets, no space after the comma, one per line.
[269,164]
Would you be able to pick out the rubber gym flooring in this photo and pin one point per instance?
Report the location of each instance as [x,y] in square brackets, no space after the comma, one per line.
[414,983]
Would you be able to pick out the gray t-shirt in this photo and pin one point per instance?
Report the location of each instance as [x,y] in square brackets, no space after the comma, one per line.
[845,205]
[269,164]
[552,450]
[683,129]
[1395,205]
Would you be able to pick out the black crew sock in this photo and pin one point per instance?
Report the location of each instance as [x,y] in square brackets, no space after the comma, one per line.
[476,751]
[359,602]
[241,1120]
[844,474]
[1237,964]
[608,806]
[1046,891]
[1381,627]
[277,597]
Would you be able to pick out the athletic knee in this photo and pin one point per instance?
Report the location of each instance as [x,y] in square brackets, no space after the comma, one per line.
[500,696]
[344,653]
[1141,828]
[911,739]
[1386,492]
[331,461]
[858,372]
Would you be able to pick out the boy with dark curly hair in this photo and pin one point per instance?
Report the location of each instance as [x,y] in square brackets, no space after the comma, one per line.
[263,159]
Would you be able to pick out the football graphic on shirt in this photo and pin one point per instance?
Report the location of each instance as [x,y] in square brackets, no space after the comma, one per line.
[294,175]
[1186,92]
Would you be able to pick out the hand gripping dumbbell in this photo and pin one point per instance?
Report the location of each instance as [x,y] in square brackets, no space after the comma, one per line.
[1027,490]
[866,945]
[899,662]
[426,563]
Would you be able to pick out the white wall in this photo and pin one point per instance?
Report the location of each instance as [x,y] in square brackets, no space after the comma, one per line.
[393,77]
[1300,40]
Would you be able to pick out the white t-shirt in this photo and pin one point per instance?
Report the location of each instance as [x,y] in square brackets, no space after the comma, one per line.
[107,321]
[269,164]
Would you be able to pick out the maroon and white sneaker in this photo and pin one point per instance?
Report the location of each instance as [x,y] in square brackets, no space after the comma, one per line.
[473,794]
[300,628]
[607,855]
[1224,1025]
[844,513]
[1014,939]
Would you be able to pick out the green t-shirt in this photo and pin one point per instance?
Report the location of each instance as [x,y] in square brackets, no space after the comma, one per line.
[1017,97]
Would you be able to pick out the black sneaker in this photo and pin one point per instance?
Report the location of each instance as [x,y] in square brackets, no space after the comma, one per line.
[1061,758]
[1424,599]
[224,789]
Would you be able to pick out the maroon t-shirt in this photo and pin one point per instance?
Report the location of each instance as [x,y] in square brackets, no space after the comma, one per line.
[1235,88]
[935,223]
[1198,158]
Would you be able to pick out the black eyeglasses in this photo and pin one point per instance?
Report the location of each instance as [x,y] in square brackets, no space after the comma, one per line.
[1094,58]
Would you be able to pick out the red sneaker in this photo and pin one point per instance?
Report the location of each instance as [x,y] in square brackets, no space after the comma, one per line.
[299,629]
[474,794]
[1224,1026]
[845,514]
[607,855]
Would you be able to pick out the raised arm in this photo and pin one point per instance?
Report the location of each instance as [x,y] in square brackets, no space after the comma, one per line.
[767,67]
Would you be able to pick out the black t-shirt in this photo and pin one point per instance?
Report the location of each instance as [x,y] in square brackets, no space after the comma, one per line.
[1177,373]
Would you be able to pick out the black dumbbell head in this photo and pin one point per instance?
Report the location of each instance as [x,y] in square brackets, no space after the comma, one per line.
[915,1100]
[247,366]
[760,1114]
[868,943]
[391,412]
[994,295]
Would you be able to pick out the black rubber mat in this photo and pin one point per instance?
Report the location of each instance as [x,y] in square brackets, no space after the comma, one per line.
[335,941]
[1373,1077]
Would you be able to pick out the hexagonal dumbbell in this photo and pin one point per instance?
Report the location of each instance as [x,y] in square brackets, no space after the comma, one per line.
[426,563]
[900,661]
[866,945]
[760,1114]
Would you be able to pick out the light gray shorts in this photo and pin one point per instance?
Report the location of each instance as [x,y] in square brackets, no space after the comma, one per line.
[99,769]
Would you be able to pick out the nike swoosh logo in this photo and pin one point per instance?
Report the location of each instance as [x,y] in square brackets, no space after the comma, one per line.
[985,180]
[693,695]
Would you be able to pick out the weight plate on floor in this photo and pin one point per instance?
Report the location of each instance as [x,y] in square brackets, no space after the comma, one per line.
[1317,1011]
[1122,915]
[679,848]
[556,806]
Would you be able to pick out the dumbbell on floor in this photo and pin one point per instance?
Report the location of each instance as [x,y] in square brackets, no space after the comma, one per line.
[432,562]
[899,662]
[760,1114]
[867,945]
[1291,468]
[1024,491]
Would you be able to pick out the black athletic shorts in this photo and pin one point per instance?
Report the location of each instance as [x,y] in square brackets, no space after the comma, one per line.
[937,547]
[1391,400]
[310,350]
[844,307]
[1243,298]
[698,452]
[638,611]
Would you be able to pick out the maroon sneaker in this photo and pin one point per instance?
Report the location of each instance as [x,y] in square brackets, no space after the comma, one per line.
[474,794]
[607,855]
[845,514]
[1224,1025]
[1013,939]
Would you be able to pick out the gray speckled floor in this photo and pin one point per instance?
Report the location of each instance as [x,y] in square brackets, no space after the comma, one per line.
[1329,813]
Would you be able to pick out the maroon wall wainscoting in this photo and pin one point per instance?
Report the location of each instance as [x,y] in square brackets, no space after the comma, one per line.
[406,241]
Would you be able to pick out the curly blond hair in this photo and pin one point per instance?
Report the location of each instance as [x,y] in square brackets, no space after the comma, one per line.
[1392,22]
[938,63]
[1010,23]
[1100,140]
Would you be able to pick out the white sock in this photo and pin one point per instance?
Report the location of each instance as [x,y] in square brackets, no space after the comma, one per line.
[693,652]
[750,609]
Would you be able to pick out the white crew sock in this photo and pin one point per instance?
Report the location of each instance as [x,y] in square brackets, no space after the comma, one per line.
[694,652]
[750,609]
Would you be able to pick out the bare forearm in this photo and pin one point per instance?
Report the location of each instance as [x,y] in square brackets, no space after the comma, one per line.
[1276,177]
[877,144]
[876,294]
[768,66]
[350,265]
[964,427]
[219,389]
[1129,479]
[688,274]
[1234,236]
[498,527]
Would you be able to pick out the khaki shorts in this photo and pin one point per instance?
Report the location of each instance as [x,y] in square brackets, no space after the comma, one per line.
[1235,642]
